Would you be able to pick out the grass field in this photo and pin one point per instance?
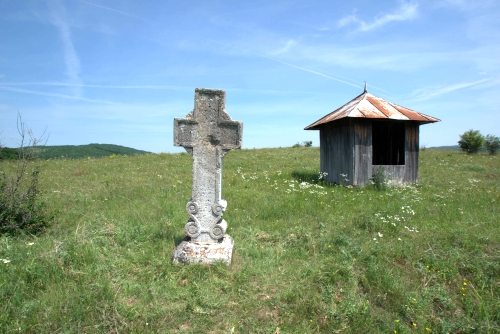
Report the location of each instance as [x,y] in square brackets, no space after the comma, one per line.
[308,258]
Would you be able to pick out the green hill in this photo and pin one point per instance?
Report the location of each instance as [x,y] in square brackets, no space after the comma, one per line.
[451,147]
[75,152]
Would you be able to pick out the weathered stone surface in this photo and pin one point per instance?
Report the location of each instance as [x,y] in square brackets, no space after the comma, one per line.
[207,133]
[191,252]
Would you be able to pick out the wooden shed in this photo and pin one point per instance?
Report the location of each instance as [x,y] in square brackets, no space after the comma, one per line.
[368,132]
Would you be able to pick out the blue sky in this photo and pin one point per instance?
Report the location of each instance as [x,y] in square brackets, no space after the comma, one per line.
[119,71]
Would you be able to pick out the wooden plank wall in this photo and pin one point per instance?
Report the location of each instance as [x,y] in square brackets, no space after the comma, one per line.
[395,173]
[336,147]
[362,152]
[412,148]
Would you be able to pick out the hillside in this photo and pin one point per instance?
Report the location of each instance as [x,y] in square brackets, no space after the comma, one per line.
[453,148]
[76,152]
[450,147]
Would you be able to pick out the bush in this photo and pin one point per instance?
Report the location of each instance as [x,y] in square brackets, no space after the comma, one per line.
[20,208]
[379,179]
[471,141]
[492,144]
[303,144]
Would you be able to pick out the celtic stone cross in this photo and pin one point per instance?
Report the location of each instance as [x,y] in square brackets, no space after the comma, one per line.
[207,133]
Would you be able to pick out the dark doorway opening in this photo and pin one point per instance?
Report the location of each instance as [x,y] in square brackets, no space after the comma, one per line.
[388,140]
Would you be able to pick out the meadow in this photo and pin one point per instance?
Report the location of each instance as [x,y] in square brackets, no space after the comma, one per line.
[309,257]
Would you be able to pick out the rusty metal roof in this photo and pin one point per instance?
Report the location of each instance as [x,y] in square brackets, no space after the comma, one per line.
[367,105]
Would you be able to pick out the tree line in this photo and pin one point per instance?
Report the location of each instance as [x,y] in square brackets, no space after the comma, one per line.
[472,141]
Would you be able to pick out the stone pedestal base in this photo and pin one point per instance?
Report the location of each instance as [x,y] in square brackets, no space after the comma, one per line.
[191,252]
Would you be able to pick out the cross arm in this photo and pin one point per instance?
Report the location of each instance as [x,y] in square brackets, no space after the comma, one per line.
[230,134]
[185,132]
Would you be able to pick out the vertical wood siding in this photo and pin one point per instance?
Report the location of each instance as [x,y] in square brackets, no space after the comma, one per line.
[395,173]
[337,146]
[362,152]
[412,147]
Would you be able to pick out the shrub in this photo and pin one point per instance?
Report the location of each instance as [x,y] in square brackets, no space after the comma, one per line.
[492,144]
[303,144]
[379,179]
[20,208]
[471,141]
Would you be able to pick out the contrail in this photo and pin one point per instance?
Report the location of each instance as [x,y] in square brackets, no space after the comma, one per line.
[288,64]
[114,10]
[235,47]
[10,86]
[423,94]
[63,96]
[72,62]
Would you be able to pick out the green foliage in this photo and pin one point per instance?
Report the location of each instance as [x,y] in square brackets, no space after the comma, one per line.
[307,143]
[303,144]
[7,153]
[379,179]
[20,207]
[308,257]
[471,141]
[492,144]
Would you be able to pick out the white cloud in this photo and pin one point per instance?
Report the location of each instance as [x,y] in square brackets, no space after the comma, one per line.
[467,6]
[291,65]
[407,11]
[11,86]
[432,92]
[288,45]
[50,94]
[399,57]
[71,60]
[374,56]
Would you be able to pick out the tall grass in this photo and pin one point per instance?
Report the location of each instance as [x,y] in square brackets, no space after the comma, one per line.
[308,257]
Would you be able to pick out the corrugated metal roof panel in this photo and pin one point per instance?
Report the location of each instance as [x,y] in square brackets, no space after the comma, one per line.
[413,115]
[385,107]
[369,110]
[367,105]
